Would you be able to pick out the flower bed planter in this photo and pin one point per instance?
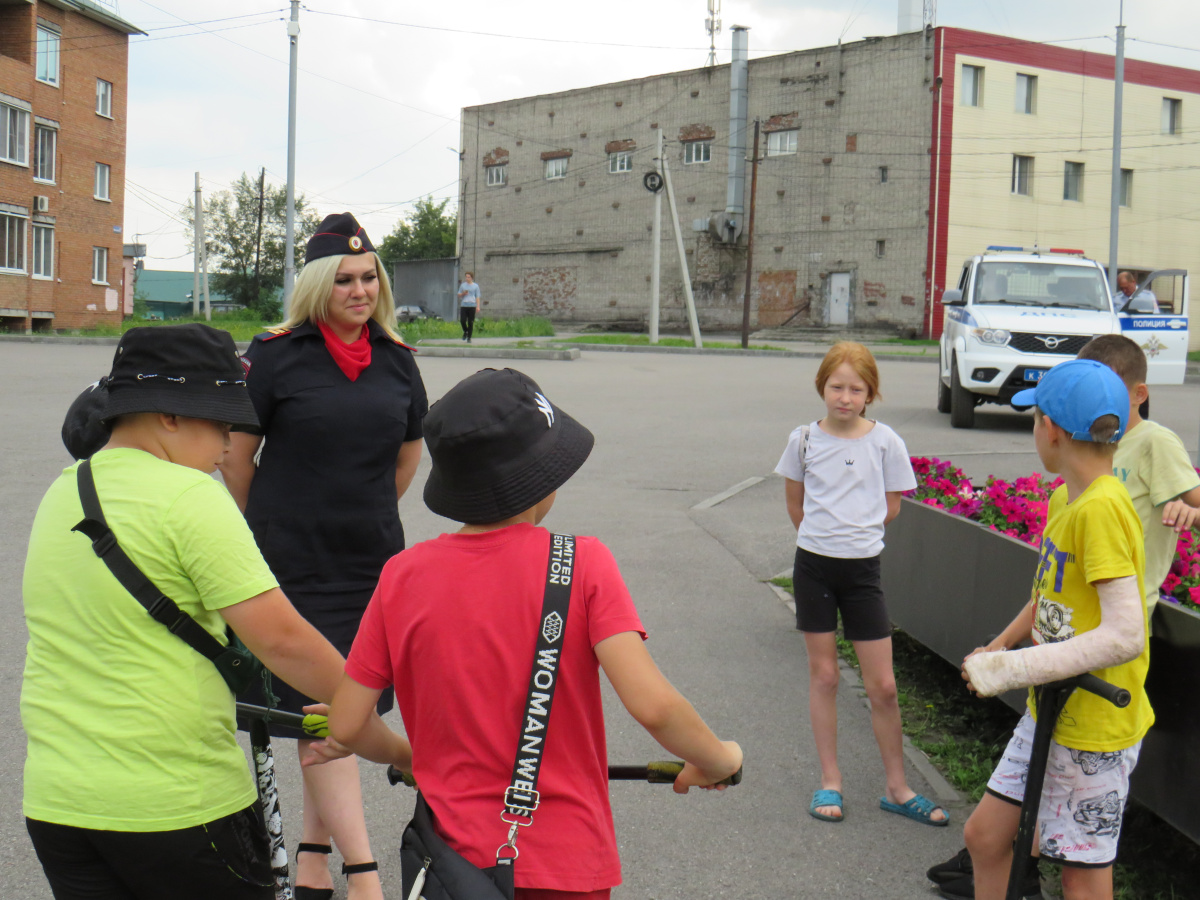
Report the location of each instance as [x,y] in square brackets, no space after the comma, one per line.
[953,584]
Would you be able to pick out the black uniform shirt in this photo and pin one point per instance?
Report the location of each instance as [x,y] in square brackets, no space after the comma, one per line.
[322,504]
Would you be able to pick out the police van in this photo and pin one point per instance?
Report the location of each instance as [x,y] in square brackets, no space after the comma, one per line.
[1017,311]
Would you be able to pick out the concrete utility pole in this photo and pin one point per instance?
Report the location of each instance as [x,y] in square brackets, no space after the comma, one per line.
[197,213]
[656,250]
[683,266]
[750,242]
[262,181]
[289,260]
[1114,213]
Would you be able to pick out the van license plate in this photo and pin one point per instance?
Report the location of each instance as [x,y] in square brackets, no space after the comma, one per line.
[1034,375]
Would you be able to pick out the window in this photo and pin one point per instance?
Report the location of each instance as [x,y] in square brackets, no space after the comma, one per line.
[1026,94]
[556,168]
[45,144]
[12,243]
[1172,115]
[102,174]
[697,152]
[47,54]
[497,175]
[781,143]
[1127,187]
[972,86]
[1073,181]
[43,251]
[103,98]
[14,134]
[883,174]
[99,265]
[621,161]
[1022,175]
[881,248]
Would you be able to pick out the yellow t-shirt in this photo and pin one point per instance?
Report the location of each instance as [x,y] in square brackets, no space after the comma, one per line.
[1094,538]
[1154,467]
[129,728]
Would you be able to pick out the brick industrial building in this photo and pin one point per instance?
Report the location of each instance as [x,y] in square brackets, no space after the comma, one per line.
[883,166]
[63,80]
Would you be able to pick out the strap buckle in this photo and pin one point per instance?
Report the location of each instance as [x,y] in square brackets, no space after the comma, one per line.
[104,544]
[519,802]
[161,609]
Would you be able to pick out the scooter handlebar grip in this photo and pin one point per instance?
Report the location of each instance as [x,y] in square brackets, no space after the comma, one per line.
[397,776]
[666,771]
[1114,694]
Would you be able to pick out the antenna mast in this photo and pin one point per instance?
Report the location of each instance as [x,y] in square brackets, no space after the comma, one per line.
[929,14]
[713,25]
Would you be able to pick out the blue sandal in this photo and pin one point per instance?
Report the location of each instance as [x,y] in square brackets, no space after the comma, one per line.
[919,809]
[826,798]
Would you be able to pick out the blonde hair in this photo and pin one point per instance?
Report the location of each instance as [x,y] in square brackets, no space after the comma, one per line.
[314,286]
[859,358]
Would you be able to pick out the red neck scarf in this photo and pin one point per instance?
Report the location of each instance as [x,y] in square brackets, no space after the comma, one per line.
[351,358]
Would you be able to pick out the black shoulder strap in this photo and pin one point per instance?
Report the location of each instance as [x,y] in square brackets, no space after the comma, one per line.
[161,607]
[521,798]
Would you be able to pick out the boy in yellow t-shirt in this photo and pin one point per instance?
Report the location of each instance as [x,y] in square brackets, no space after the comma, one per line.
[1086,615]
[1151,463]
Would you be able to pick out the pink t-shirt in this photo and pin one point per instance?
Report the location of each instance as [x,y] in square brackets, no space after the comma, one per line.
[452,626]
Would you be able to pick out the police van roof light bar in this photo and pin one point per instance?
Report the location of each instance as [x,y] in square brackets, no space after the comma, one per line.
[1034,250]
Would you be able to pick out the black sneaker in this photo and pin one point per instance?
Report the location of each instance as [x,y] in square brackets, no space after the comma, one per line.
[963,888]
[952,869]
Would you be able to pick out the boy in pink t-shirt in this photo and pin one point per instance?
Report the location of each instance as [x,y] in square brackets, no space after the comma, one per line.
[452,627]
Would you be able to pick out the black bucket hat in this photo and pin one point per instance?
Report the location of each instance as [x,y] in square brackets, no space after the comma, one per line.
[498,447]
[337,235]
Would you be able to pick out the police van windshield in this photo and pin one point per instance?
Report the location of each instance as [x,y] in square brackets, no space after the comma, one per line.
[1040,284]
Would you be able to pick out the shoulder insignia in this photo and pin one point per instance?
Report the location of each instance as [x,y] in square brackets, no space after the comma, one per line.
[406,346]
[276,332]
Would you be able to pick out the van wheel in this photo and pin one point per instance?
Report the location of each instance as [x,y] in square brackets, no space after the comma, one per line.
[943,400]
[962,401]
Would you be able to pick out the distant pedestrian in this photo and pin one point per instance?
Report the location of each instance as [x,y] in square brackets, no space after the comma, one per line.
[844,475]
[468,303]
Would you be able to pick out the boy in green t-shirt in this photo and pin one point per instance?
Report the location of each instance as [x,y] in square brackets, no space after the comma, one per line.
[1152,464]
[1086,615]
[134,783]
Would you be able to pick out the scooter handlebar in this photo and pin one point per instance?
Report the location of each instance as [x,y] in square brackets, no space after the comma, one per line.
[1117,696]
[664,772]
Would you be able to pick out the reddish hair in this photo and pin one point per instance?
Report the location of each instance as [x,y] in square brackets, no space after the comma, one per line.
[859,358]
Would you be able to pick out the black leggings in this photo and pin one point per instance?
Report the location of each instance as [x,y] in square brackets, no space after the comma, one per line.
[466,318]
[228,858]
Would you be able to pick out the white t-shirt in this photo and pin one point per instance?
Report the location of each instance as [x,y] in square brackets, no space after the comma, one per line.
[845,488]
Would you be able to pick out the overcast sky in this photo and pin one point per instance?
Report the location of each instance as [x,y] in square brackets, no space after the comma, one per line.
[382,82]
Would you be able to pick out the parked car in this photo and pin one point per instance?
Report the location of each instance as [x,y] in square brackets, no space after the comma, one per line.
[1015,313]
[415,314]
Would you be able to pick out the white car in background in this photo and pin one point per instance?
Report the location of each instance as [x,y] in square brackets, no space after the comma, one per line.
[1017,312]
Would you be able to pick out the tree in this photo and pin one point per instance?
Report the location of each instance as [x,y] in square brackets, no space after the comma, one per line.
[245,267]
[425,233]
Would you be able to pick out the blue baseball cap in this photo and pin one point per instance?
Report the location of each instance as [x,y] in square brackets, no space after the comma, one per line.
[1076,393]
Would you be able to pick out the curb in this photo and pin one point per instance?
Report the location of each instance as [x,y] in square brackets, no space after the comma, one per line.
[481,352]
[722,351]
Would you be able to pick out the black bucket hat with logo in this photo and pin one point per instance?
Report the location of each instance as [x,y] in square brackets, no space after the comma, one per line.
[498,446]
[184,370]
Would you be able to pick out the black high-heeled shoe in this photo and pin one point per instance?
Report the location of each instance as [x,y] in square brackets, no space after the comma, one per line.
[301,892]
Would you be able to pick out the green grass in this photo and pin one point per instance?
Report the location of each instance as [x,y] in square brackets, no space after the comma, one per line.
[643,340]
[244,325]
[1194,356]
[964,737]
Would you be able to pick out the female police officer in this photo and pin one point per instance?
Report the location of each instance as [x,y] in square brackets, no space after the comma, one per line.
[340,403]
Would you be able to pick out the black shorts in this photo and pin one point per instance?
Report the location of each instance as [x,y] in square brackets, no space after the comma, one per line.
[825,585]
[229,858]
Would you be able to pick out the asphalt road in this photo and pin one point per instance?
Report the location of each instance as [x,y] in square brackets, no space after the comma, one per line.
[672,432]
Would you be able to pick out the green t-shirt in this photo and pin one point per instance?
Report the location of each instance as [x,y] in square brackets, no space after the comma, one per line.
[1154,467]
[129,728]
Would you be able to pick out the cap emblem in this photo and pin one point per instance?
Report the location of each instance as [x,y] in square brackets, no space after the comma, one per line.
[356,243]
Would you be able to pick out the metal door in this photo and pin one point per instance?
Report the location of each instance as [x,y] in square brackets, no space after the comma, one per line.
[839,298]
[1163,337]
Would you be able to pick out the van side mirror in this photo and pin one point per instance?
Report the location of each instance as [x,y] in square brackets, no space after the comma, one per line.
[953,297]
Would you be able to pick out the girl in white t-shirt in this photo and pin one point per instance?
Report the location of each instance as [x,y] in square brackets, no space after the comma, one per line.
[844,476]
